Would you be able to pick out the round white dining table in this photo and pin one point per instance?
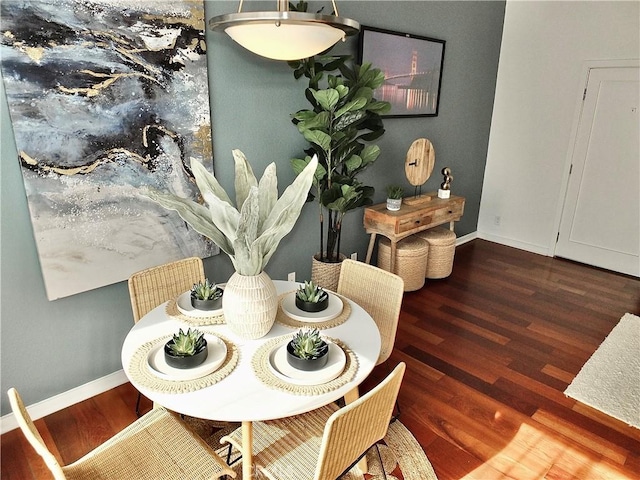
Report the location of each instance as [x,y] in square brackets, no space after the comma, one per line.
[242,396]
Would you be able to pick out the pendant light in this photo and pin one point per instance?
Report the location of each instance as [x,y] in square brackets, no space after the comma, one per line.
[283,34]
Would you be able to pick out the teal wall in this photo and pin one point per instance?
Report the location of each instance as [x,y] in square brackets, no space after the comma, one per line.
[50,347]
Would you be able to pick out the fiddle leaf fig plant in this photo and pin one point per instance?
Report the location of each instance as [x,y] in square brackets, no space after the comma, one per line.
[250,232]
[344,117]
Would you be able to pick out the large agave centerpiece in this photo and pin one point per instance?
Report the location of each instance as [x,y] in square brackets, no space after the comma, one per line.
[248,232]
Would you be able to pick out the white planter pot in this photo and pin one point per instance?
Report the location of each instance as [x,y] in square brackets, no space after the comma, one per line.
[393,204]
[250,304]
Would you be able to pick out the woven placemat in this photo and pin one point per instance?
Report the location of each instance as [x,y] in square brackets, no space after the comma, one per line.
[172,311]
[261,368]
[284,319]
[139,369]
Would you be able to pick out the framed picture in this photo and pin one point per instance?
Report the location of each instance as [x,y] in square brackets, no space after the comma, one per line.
[412,66]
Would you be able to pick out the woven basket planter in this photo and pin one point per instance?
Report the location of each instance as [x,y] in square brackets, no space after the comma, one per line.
[411,260]
[442,248]
[325,274]
[250,304]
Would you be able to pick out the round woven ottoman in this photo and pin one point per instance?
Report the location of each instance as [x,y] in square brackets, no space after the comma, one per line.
[442,247]
[411,260]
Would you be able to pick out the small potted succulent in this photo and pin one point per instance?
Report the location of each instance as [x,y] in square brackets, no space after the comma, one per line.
[307,350]
[186,350]
[311,298]
[206,296]
[394,197]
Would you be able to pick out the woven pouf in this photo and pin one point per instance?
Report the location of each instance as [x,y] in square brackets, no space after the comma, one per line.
[442,247]
[411,260]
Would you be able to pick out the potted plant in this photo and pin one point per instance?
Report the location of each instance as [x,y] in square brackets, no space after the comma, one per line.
[186,350]
[343,119]
[307,350]
[206,295]
[311,298]
[248,232]
[394,197]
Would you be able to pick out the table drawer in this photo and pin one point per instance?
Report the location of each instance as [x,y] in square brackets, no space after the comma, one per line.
[411,223]
[443,215]
[435,216]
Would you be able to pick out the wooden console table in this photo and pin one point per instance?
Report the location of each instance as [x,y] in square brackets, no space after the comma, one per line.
[411,218]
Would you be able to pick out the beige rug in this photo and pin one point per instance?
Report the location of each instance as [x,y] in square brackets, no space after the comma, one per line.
[610,380]
[401,454]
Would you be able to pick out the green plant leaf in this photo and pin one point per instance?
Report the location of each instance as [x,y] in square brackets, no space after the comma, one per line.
[267,192]
[245,179]
[352,106]
[327,99]
[342,90]
[353,163]
[318,137]
[370,154]
[317,121]
[195,215]
[303,115]
[379,107]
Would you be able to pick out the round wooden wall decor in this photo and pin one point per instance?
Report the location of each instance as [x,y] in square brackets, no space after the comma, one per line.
[419,163]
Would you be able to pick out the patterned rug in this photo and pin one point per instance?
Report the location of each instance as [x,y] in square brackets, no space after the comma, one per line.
[400,455]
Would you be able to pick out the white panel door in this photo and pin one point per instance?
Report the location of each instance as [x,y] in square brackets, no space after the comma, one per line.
[600,222]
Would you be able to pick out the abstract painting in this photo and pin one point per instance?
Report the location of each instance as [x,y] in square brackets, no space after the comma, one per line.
[107,98]
[412,67]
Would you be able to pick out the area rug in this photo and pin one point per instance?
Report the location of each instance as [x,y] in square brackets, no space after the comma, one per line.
[610,380]
[400,455]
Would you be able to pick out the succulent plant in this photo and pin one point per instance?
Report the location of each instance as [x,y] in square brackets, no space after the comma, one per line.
[206,290]
[308,344]
[187,344]
[310,292]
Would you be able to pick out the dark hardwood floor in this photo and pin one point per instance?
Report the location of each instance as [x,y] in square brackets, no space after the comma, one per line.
[489,350]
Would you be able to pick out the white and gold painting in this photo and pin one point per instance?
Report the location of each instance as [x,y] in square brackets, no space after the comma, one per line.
[107,98]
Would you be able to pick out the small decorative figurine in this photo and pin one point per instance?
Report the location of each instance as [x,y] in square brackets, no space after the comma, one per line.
[445,187]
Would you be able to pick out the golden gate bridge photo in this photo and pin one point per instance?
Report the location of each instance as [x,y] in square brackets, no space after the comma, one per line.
[412,67]
[415,90]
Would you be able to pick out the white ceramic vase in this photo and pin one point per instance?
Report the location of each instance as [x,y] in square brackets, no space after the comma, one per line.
[250,304]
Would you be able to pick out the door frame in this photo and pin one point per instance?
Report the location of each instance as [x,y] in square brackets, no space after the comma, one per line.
[587,66]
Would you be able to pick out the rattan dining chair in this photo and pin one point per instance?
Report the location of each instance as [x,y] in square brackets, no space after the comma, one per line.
[156,446]
[380,293]
[325,443]
[377,291]
[153,286]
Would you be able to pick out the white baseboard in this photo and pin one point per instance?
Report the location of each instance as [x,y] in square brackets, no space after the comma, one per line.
[466,238]
[66,399]
[509,242]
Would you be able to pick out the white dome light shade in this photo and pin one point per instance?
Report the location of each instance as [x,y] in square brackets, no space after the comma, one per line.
[285,35]
[289,41]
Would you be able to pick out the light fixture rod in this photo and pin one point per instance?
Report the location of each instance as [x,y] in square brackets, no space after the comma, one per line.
[335,8]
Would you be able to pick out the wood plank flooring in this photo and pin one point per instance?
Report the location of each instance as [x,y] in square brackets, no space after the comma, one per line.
[489,352]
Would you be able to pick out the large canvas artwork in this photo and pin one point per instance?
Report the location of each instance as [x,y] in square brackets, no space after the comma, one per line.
[107,98]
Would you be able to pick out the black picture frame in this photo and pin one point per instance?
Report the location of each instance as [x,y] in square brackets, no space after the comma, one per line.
[412,65]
